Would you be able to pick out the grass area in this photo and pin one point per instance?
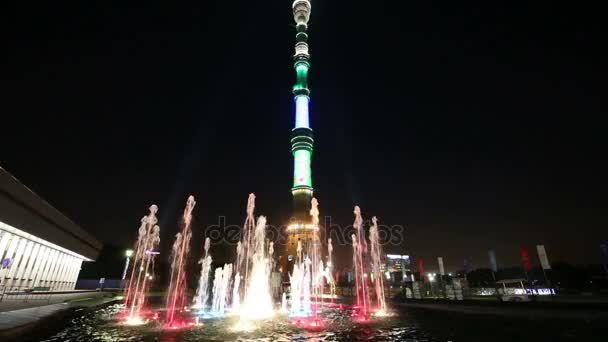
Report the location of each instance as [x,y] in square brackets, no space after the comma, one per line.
[75,300]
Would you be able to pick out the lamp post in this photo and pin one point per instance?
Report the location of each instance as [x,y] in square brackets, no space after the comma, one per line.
[431,277]
[128,254]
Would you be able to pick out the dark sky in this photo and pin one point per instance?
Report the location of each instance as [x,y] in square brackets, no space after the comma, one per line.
[475,125]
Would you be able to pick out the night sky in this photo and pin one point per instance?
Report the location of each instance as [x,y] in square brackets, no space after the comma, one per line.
[475,125]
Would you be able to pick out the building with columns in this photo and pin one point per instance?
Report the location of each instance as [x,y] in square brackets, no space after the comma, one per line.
[39,246]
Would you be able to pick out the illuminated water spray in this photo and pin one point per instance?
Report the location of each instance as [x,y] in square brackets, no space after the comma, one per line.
[307,277]
[300,285]
[243,250]
[236,294]
[257,303]
[251,291]
[143,267]
[376,253]
[202,292]
[329,268]
[316,267]
[244,247]
[359,252]
[176,294]
[221,289]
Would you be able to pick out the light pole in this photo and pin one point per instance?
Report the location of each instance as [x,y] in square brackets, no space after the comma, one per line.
[431,277]
[128,254]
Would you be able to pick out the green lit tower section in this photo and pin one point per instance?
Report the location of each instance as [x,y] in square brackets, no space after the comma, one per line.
[302,135]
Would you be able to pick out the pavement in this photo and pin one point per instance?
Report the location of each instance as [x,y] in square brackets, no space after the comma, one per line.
[22,300]
[16,322]
[528,310]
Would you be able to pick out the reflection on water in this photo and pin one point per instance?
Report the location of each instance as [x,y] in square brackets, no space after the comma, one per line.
[102,325]
[407,325]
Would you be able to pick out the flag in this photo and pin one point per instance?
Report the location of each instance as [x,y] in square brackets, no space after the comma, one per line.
[421,269]
[493,264]
[542,256]
[525,259]
[441,269]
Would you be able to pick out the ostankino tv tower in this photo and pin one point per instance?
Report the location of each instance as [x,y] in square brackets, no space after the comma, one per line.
[301,228]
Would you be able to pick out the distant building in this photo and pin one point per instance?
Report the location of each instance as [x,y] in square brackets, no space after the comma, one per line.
[396,267]
[39,246]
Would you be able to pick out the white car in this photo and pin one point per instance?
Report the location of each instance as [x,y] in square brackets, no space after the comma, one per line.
[513,290]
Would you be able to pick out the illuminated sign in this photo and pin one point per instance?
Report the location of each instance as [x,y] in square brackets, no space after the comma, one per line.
[396,256]
[297,226]
[535,292]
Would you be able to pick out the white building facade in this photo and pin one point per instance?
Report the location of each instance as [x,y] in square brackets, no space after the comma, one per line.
[40,248]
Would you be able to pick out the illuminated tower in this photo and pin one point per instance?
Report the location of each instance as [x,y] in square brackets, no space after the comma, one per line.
[301,227]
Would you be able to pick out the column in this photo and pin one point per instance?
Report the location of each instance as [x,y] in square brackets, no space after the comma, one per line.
[4,239]
[17,264]
[10,252]
[31,263]
[43,258]
[55,269]
[74,276]
[73,273]
[44,277]
[62,273]
[4,244]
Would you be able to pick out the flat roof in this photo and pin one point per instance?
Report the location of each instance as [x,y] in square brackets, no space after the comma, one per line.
[23,209]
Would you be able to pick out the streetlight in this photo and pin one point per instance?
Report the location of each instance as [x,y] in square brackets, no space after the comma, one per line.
[128,254]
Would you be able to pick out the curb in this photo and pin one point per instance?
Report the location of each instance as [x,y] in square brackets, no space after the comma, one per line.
[29,331]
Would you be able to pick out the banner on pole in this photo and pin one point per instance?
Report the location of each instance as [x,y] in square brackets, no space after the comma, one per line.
[525,259]
[421,269]
[542,256]
[441,269]
[493,264]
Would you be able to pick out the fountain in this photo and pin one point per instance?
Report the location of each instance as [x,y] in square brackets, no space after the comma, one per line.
[316,269]
[307,276]
[252,272]
[257,303]
[242,253]
[221,288]
[300,286]
[376,254]
[176,298]
[143,266]
[236,299]
[243,288]
[330,264]
[284,303]
[359,249]
[202,292]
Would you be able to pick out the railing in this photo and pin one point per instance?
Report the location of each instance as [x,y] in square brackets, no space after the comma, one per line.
[25,294]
